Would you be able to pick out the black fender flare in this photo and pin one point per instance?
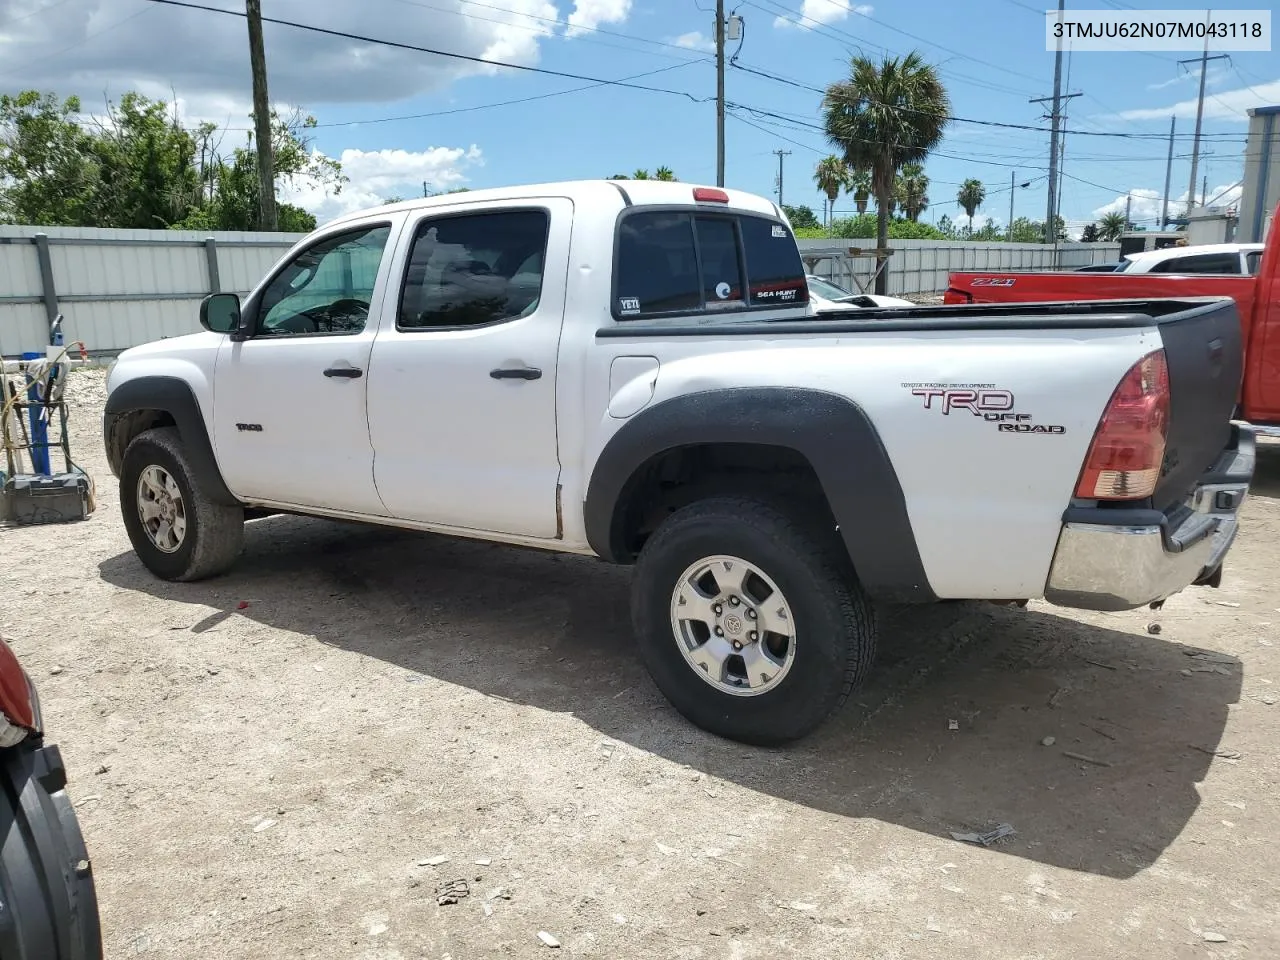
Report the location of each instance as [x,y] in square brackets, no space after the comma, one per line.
[831,432]
[175,397]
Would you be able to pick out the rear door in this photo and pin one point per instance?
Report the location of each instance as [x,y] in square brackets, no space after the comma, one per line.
[462,386]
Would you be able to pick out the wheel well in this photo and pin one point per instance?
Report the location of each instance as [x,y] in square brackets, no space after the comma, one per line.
[128,425]
[682,475]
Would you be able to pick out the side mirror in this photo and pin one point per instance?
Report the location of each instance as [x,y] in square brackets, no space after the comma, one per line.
[220,312]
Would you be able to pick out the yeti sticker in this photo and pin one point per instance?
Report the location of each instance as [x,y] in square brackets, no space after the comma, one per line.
[629,304]
[779,232]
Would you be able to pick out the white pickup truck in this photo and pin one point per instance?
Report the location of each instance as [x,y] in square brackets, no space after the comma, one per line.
[634,371]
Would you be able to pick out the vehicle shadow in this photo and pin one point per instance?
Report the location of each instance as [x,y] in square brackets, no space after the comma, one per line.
[1266,472]
[553,632]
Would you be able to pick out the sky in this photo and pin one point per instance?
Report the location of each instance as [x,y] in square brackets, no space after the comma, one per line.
[397,118]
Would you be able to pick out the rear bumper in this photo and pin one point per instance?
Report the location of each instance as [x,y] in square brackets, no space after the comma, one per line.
[1121,559]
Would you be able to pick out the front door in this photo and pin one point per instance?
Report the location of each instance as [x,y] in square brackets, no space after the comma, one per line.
[290,414]
[462,386]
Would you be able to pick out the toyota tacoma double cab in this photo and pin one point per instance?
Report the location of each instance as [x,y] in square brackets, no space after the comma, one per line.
[635,372]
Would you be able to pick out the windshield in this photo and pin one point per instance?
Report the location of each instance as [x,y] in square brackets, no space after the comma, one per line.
[826,289]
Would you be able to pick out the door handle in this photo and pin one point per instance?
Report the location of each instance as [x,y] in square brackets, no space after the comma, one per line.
[349,373]
[516,373]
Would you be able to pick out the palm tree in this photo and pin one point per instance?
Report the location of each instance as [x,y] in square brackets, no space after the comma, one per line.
[970,196]
[860,184]
[663,173]
[882,117]
[640,175]
[912,191]
[831,176]
[1111,226]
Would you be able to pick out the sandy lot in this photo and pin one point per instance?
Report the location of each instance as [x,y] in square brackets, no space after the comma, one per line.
[280,781]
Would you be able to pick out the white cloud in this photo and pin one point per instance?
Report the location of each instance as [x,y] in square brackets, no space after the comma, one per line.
[86,47]
[825,11]
[1227,105]
[693,41]
[589,14]
[1215,76]
[377,175]
[1144,209]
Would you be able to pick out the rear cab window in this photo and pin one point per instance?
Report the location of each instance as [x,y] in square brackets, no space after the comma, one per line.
[688,262]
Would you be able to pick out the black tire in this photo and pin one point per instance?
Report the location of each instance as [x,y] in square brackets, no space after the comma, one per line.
[834,622]
[214,532]
[46,879]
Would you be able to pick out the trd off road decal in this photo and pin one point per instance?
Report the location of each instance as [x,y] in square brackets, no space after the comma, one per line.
[984,400]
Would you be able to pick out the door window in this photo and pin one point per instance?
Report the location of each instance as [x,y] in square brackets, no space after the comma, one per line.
[327,288]
[1201,263]
[474,269]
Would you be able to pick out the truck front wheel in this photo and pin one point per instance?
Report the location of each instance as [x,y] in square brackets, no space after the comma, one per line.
[176,530]
[749,619]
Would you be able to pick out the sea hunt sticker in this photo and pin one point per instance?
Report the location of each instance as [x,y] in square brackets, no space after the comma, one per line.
[779,232]
[723,290]
[628,304]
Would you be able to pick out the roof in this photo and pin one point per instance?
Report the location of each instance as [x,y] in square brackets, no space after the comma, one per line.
[1263,111]
[637,192]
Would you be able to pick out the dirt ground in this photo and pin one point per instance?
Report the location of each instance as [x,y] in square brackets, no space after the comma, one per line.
[281,780]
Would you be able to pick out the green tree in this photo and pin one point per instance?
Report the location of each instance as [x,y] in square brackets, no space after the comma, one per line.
[801,217]
[640,175]
[147,164]
[970,197]
[831,175]
[664,173]
[860,185]
[48,175]
[947,228]
[1089,234]
[1111,226]
[912,189]
[884,116]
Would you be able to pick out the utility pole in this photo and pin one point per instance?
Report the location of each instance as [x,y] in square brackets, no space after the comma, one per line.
[1128,202]
[719,93]
[1052,209]
[1195,146]
[1012,178]
[1168,173]
[1204,190]
[781,154]
[261,117]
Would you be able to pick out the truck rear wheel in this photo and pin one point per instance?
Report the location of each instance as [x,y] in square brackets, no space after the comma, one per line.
[749,620]
[177,532]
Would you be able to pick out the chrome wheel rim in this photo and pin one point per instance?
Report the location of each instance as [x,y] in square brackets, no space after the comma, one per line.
[161,509]
[733,626]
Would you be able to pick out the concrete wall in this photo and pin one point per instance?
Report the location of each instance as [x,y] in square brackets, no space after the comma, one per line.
[922,266]
[119,288]
[1261,188]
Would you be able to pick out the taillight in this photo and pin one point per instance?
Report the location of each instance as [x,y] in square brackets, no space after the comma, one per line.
[1128,447]
[19,710]
[709,195]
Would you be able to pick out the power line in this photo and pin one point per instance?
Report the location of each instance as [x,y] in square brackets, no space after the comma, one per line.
[548,20]
[399,45]
[984,123]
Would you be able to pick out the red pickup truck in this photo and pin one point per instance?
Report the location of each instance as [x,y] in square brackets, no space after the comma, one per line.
[1257,301]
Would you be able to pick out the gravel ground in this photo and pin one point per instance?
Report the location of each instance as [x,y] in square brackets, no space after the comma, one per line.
[392,712]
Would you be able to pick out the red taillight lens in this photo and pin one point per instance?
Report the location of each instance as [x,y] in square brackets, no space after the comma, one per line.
[1128,447]
[18,709]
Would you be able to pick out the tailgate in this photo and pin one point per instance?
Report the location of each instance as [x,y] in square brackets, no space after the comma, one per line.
[1204,350]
